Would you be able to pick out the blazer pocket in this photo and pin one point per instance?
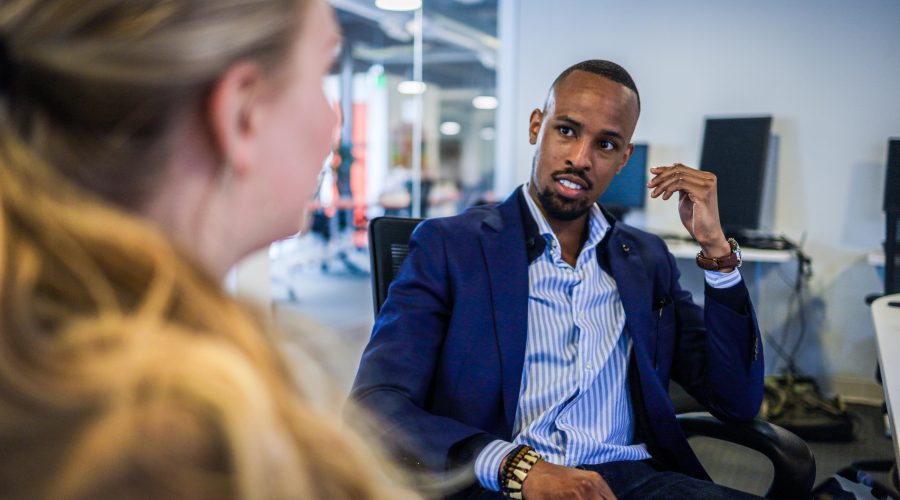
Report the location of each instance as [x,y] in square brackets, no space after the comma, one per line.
[664,316]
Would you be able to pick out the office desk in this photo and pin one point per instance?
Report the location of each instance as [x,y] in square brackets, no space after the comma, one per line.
[688,250]
[887,332]
[875,258]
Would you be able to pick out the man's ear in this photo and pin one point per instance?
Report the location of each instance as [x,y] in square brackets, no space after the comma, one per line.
[534,125]
[233,115]
[628,152]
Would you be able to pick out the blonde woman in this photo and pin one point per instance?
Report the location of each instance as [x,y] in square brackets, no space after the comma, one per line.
[144,148]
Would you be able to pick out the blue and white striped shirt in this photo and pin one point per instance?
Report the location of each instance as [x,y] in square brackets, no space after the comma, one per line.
[574,406]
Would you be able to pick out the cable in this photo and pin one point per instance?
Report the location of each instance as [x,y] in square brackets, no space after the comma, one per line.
[804,272]
[778,349]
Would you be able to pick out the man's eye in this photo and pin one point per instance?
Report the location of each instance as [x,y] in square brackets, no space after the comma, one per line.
[606,145]
[566,131]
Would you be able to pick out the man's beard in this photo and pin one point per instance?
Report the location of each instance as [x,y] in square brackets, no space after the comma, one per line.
[559,207]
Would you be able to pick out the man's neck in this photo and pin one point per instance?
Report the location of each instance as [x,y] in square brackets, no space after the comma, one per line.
[571,233]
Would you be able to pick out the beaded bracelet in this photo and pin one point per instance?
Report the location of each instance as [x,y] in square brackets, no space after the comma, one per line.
[516,470]
[513,456]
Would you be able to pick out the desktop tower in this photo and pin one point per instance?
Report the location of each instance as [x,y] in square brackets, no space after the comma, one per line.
[892,178]
[892,218]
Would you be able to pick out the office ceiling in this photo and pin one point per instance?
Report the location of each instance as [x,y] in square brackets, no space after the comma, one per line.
[459,41]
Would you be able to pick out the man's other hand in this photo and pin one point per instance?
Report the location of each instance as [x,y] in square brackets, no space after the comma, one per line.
[549,481]
[698,204]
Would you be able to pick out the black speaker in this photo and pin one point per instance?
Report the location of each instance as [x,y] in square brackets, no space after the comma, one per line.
[892,179]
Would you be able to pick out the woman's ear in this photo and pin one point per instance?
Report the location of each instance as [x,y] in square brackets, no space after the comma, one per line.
[233,115]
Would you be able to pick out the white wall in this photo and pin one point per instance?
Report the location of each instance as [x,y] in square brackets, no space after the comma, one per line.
[829,73]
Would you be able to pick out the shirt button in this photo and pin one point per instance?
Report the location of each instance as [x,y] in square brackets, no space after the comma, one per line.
[588,366]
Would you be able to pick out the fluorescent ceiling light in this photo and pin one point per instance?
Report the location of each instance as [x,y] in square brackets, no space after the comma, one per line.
[450,128]
[485,102]
[411,87]
[398,5]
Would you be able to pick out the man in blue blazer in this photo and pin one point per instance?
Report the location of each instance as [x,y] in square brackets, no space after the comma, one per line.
[533,341]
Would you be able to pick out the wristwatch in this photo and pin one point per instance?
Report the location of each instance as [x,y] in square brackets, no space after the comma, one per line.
[715,263]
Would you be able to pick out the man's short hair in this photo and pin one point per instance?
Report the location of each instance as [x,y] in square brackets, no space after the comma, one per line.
[606,69]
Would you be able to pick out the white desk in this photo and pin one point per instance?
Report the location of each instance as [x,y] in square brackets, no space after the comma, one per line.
[887,333]
[688,250]
[875,258]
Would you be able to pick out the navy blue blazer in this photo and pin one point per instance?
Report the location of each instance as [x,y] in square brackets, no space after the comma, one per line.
[443,367]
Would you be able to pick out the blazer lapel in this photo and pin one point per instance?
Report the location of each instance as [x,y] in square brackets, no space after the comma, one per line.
[635,289]
[503,244]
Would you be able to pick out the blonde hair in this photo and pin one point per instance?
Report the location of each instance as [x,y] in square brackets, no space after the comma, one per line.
[125,371]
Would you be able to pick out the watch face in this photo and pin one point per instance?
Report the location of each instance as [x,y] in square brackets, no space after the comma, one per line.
[737,251]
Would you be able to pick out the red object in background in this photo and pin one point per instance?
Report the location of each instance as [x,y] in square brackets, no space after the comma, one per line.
[358,173]
[359,167]
[357,200]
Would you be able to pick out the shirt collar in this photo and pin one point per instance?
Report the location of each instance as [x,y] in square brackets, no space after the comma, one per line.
[598,225]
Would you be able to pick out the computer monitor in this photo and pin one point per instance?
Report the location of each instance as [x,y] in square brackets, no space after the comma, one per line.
[628,189]
[736,150]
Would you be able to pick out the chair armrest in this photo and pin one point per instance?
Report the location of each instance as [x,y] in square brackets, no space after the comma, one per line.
[792,460]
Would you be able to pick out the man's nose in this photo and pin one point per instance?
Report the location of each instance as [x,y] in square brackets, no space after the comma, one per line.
[580,154]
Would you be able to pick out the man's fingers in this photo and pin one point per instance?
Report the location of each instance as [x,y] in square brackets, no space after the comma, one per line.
[670,184]
[677,183]
[602,488]
[662,174]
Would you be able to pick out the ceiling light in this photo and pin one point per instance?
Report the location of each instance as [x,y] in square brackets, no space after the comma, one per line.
[450,128]
[411,87]
[485,102]
[398,5]
[411,26]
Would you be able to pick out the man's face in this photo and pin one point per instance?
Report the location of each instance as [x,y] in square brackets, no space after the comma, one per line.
[583,138]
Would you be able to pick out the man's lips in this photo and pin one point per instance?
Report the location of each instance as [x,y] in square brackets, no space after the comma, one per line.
[571,184]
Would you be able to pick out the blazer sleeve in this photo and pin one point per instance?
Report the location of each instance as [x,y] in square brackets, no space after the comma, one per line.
[718,352]
[400,360]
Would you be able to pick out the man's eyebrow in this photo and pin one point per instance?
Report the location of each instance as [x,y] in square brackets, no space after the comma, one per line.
[612,133]
[578,125]
[571,121]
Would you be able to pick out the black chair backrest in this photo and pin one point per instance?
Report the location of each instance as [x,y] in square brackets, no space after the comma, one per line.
[388,247]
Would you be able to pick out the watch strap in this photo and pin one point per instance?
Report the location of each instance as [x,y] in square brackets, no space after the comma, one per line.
[733,259]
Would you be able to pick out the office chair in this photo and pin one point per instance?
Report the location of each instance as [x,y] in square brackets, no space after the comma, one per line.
[792,460]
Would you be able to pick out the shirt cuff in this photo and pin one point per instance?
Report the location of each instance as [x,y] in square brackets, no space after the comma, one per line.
[716,279]
[487,465]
